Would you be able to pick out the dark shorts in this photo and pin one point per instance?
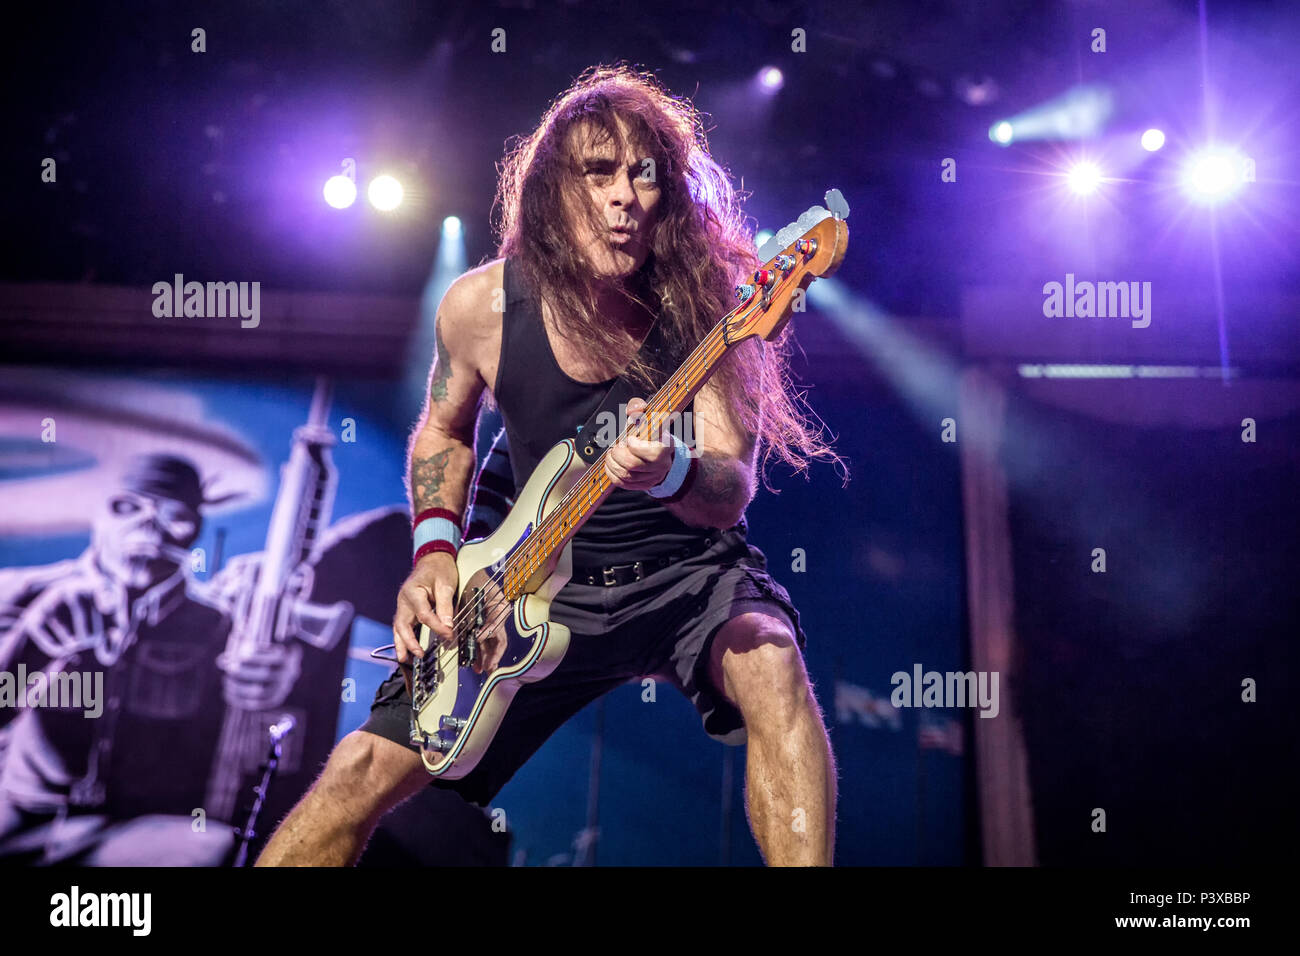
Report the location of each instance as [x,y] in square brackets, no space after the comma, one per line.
[661,626]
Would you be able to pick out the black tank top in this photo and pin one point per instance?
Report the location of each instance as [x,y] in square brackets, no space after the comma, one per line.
[541,406]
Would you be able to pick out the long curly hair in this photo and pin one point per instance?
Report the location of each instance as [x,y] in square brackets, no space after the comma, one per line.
[701,245]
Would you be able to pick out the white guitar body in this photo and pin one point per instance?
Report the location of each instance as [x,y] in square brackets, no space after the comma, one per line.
[456,712]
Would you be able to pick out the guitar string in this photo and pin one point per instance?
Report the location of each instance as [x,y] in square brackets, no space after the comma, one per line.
[582,489]
[545,535]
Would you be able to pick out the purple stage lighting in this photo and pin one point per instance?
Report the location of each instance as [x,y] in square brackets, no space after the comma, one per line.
[1152,140]
[1213,174]
[771,79]
[340,192]
[1083,178]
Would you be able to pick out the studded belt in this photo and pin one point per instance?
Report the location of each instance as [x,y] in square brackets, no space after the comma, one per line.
[612,575]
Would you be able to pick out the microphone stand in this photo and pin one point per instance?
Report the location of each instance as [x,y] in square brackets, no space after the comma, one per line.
[276,733]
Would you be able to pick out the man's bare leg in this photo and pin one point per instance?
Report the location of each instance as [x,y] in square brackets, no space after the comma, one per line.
[790,770]
[365,777]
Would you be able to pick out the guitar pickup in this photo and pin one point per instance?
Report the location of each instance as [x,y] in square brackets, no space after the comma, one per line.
[424,680]
[469,643]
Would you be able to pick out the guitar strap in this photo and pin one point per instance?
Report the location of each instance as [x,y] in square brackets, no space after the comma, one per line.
[651,352]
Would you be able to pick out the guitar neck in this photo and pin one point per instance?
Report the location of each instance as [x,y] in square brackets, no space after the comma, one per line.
[582,500]
[811,247]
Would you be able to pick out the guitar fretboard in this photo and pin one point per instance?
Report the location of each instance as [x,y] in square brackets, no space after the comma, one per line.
[578,504]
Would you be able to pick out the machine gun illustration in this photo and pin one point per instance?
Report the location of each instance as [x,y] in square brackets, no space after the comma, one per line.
[276,609]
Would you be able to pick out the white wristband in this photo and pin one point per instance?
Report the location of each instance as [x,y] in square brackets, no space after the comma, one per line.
[672,482]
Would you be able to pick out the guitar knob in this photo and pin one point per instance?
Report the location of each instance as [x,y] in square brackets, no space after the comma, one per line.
[429,741]
[449,722]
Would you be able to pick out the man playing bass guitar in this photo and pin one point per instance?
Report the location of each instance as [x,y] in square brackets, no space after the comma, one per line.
[615,223]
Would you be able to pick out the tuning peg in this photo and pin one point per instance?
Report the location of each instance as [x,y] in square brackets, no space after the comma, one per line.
[744,292]
[784,263]
[836,204]
[764,277]
[806,246]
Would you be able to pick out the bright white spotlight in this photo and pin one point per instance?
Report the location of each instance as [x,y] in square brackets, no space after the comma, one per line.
[340,192]
[1153,139]
[1213,174]
[1002,133]
[451,227]
[1083,178]
[771,78]
[385,193]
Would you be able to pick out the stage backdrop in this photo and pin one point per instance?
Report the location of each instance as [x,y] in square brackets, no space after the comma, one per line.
[874,568]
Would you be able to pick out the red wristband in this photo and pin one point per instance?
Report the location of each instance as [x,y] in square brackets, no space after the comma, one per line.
[432,547]
[435,529]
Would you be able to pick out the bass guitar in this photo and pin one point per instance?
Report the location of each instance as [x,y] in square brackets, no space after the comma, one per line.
[509,579]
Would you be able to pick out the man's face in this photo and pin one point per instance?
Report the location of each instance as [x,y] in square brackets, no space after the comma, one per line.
[141,539]
[624,191]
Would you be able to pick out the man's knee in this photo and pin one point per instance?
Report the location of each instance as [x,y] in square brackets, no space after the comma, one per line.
[370,773]
[757,665]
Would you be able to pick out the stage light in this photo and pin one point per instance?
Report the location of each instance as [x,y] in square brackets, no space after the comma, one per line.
[1152,140]
[1081,112]
[340,192]
[385,193]
[451,227]
[771,79]
[976,91]
[1083,178]
[1213,174]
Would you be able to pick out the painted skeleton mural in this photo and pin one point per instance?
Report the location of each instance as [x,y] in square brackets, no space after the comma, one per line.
[149,644]
[135,698]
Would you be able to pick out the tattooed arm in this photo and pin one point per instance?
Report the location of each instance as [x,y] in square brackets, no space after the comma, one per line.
[441,452]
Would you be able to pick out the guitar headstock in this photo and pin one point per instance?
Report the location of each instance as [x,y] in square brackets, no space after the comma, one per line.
[809,248]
